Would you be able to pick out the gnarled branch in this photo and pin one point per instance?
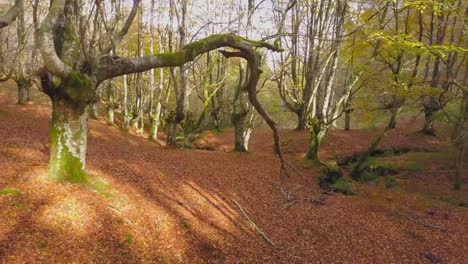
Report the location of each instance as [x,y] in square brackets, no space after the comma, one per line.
[11,14]
[112,66]
[45,36]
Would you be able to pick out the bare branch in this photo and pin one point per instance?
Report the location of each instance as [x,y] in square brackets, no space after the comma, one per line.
[45,36]
[11,14]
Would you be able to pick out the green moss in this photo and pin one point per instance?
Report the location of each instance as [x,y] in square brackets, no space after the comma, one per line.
[173,58]
[329,175]
[343,187]
[78,80]
[454,201]
[9,191]
[66,167]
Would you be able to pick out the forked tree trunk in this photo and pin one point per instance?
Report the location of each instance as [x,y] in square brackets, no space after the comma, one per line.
[68,139]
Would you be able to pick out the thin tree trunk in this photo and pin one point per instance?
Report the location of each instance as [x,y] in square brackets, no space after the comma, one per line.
[347,120]
[110,104]
[126,115]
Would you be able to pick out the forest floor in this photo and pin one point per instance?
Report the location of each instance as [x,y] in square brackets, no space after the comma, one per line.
[150,204]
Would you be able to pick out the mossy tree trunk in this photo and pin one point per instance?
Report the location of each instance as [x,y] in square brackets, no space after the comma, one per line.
[318,130]
[68,139]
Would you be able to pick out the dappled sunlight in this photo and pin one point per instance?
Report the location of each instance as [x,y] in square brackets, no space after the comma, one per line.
[69,216]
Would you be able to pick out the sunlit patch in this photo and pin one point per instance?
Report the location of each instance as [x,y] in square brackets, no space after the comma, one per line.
[69,215]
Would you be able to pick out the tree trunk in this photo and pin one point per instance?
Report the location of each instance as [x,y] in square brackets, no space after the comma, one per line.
[428,128]
[23,92]
[317,133]
[171,130]
[68,139]
[110,115]
[459,166]
[301,122]
[239,120]
[95,110]
[110,104]
[126,114]
[347,120]
[393,118]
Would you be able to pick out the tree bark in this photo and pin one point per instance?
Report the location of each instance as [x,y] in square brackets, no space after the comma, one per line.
[428,128]
[68,138]
[317,133]
[95,110]
[11,14]
[347,120]
[459,166]
[301,122]
[239,121]
[24,87]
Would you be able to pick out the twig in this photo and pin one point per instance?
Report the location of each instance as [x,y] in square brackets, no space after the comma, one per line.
[425,223]
[259,231]
[288,204]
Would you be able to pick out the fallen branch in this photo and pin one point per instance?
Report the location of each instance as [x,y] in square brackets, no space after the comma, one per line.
[424,223]
[259,231]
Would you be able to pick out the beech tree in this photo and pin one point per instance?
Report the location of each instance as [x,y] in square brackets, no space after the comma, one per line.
[10,16]
[73,69]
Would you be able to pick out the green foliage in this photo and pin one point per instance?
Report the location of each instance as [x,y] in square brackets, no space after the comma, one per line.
[329,175]
[9,191]
[343,186]
[368,176]
[454,201]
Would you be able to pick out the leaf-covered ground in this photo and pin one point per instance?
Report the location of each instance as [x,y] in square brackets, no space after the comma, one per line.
[149,204]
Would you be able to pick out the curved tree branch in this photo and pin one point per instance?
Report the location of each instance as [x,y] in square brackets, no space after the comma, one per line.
[11,14]
[112,66]
[45,36]
[253,58]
